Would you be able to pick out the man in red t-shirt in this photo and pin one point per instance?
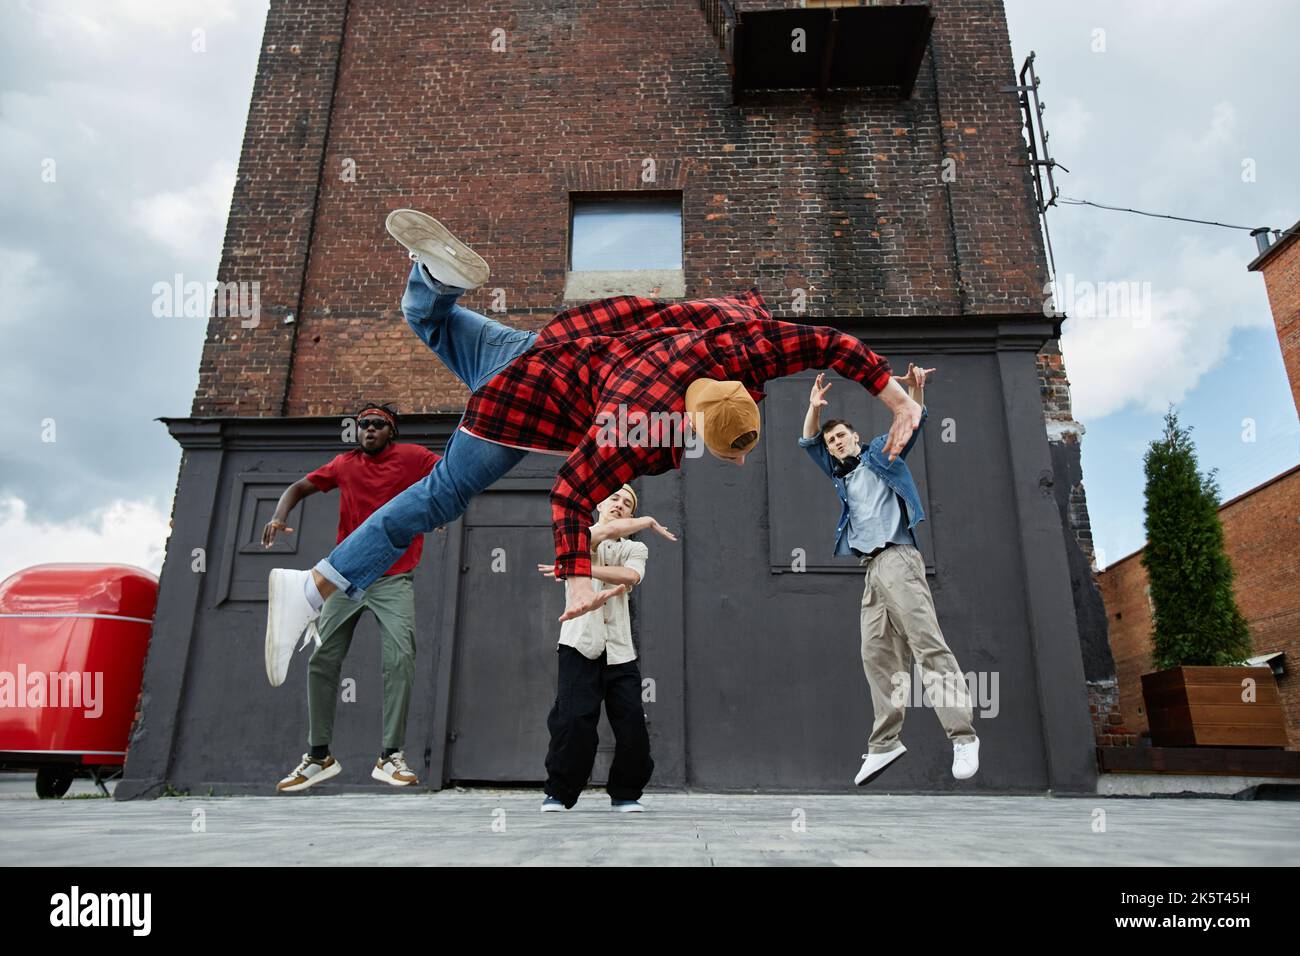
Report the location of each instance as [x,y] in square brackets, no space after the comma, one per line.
[367,477]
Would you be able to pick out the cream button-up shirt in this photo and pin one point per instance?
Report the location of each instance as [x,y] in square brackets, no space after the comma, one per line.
[608,629]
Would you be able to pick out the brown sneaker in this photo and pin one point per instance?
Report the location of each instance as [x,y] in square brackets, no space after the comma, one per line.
[309,773]
[393,770]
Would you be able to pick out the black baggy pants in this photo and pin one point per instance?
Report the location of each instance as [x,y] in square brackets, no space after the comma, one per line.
[582,685]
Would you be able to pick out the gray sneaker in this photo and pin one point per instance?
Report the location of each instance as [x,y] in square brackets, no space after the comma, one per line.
[446,258]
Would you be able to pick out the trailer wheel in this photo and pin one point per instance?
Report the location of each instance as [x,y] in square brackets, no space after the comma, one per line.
[53,782]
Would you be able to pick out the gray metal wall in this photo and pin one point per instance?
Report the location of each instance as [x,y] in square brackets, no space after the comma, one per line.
[757,680]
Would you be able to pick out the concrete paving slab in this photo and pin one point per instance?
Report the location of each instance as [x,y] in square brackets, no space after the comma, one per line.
[505,827]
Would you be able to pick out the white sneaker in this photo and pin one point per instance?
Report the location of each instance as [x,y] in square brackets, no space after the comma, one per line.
[626,806]
[552,805]
[873,765]
[288,615]
[965,758]
[448,259]
[309,773]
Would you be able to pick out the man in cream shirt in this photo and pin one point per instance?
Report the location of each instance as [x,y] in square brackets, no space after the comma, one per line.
[598,663]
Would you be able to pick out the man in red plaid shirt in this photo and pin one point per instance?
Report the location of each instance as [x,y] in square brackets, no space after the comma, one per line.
[678,372]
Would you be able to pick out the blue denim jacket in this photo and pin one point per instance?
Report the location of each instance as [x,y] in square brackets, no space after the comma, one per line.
[896,474]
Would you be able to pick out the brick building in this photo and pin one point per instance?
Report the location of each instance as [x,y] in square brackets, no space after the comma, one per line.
[812,169]
[1261,531]
[1279,263]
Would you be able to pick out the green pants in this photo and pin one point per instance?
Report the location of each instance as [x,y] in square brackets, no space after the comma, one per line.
[392,600]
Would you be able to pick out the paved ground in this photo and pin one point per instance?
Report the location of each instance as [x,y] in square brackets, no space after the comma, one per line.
[504,827]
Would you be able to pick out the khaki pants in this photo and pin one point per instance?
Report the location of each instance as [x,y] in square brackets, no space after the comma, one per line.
[392,600]
[899,623]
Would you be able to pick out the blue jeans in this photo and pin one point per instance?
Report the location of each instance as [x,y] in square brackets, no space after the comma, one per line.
[475,348]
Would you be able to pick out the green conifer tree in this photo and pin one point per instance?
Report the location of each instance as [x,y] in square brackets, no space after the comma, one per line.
[1197,621]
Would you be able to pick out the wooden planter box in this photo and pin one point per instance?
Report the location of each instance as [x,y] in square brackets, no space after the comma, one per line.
[1203,707]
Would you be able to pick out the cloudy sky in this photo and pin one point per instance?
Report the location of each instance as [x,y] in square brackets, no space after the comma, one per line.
[120,128]
[1159,111]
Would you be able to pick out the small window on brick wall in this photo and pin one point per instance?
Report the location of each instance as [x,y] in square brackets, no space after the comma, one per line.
[623,244]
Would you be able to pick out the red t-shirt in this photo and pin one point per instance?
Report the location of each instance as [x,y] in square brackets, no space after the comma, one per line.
[367,482]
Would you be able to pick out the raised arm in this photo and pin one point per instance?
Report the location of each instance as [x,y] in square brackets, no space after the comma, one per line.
[914,381]
[626,527]
[774,349]
[812,422]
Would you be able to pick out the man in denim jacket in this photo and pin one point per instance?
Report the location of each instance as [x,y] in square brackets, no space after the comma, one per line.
[881,507]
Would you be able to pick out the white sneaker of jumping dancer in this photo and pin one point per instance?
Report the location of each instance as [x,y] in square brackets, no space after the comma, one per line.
[447,259]
[873,765]
[288,615]
[965,758]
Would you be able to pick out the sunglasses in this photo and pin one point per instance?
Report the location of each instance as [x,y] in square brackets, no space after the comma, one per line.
[376,423]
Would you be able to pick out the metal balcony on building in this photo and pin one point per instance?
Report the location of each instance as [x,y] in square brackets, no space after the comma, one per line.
[821,48]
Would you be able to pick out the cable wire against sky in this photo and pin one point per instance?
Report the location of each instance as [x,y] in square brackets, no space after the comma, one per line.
[1159,215]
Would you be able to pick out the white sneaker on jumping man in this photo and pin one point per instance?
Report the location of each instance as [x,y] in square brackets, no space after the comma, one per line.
[965,758]
[446,258]
[626,806]
[393,770]
[309,773]
[552,805]
[873,765]
[288,616]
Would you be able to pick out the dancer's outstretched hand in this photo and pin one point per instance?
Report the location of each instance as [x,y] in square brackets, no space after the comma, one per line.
[915,377]
[272,528]
[906,421]
[548,570]
[907,417]
[817,398]
[657,528]
[583,598]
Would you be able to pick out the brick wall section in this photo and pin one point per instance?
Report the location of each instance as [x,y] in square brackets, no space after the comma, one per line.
[244,371]
[1108,723]
[1282,279]
[1054,387]
[1262,535]
[842,198]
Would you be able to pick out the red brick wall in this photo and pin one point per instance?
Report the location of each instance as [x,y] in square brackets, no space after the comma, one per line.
[842,198]
[1282,279]
[1261,532]
[245,371]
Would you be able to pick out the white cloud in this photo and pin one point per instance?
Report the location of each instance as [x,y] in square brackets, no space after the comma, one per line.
[1117,360]
[124,532]
[1151,357]
[189,222]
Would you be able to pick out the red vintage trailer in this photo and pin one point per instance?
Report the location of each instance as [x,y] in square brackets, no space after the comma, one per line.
[73,639]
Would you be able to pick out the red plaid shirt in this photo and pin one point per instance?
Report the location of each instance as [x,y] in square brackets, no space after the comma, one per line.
[640,354]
